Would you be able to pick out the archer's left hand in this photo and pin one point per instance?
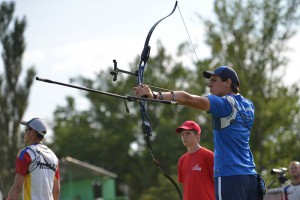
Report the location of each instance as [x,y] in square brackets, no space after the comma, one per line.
[143,90]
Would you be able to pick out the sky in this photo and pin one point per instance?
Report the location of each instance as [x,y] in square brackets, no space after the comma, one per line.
[69,38]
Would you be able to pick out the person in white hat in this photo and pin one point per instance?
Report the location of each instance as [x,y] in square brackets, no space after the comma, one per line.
[196,166]
[37,171]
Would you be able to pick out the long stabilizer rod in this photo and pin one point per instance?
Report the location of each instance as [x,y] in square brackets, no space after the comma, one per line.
[128,98]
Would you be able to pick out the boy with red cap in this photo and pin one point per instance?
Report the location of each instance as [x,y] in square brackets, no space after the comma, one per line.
[195,167]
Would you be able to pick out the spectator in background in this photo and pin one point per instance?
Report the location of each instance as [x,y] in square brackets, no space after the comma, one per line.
[292,191]
[195,167]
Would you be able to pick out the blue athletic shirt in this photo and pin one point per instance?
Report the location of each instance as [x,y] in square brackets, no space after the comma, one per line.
[232,118]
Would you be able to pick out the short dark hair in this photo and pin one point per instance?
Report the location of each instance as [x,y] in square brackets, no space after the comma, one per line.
[235,88]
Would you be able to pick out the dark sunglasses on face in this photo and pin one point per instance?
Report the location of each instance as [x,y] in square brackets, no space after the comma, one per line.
[27,129]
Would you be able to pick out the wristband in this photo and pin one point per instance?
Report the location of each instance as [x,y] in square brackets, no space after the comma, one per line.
[161,96]
[154,95]
[173,95]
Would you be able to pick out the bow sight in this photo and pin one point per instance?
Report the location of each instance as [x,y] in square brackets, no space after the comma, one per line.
[116,70]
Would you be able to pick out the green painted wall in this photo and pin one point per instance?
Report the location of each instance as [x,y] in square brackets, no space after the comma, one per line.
[83,189]
[109,189]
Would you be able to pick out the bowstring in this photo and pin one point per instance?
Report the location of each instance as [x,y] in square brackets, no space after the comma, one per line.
[187,31]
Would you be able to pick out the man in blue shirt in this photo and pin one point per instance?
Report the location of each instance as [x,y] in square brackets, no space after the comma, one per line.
[233,117]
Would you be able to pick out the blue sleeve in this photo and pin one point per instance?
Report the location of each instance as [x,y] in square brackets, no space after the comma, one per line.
[219,106]
[22,153]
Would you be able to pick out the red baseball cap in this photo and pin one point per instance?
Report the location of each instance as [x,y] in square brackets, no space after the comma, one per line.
[189,125]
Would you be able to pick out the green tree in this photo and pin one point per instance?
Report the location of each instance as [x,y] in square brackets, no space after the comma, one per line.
[13,92]
[252,37]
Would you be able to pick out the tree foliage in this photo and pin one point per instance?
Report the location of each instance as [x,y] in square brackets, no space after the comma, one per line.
[14,92]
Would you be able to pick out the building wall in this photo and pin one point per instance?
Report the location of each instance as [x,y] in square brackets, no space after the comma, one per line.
[86,189]
[109,189]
